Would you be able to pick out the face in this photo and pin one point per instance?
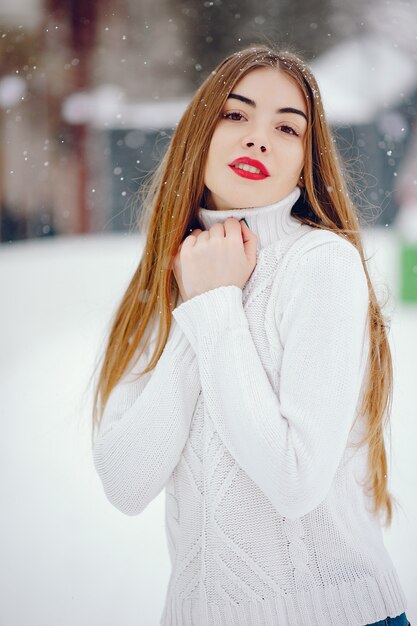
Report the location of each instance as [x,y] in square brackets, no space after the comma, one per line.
[257,125]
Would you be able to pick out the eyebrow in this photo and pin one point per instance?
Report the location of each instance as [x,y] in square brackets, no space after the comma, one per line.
[253,104]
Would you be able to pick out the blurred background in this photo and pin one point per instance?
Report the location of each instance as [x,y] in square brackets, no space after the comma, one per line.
[90,93]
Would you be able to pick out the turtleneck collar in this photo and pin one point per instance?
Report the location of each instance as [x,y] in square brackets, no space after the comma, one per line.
[269,223]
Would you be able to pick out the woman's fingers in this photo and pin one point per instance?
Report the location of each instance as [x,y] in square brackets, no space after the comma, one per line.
[196,232]
[190,240]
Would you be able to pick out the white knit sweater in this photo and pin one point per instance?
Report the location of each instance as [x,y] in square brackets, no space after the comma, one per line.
[246,421]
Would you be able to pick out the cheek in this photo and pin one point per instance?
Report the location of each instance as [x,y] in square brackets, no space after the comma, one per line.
[210,165]
[224,139]
[292,155]
[217,145]
[216,156]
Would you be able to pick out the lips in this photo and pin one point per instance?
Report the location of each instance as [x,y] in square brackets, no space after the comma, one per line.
[260,173]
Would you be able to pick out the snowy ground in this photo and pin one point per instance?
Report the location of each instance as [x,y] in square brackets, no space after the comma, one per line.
[67,556]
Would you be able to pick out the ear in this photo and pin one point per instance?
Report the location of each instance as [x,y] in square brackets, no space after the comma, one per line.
[301,180]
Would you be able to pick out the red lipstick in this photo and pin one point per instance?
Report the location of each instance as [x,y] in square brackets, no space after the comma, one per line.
[263,172]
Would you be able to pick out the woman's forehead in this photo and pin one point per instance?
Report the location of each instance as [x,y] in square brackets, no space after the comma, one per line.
[272,86]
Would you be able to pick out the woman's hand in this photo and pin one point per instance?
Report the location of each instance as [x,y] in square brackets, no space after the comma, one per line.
[224,255]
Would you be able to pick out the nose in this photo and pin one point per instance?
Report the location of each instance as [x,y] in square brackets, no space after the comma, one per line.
[250,144]
[256,135]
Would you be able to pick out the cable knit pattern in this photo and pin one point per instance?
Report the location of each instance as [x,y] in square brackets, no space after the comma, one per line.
[247,422]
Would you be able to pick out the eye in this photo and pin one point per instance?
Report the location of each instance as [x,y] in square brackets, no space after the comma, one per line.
[289,130]
[228,115]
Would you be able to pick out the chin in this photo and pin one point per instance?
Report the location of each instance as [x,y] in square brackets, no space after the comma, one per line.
[239,201]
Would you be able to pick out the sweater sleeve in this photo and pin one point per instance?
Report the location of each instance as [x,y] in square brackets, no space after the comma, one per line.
[291,443]
[145,425]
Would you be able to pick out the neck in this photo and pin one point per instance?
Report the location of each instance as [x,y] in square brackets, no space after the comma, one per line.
[270,223]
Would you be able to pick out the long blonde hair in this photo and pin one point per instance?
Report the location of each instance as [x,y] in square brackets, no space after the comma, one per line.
[171,199]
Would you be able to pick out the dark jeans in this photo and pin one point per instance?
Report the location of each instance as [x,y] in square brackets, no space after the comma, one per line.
[400,620]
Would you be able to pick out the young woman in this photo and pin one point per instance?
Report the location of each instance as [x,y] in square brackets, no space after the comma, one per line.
[248,369]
